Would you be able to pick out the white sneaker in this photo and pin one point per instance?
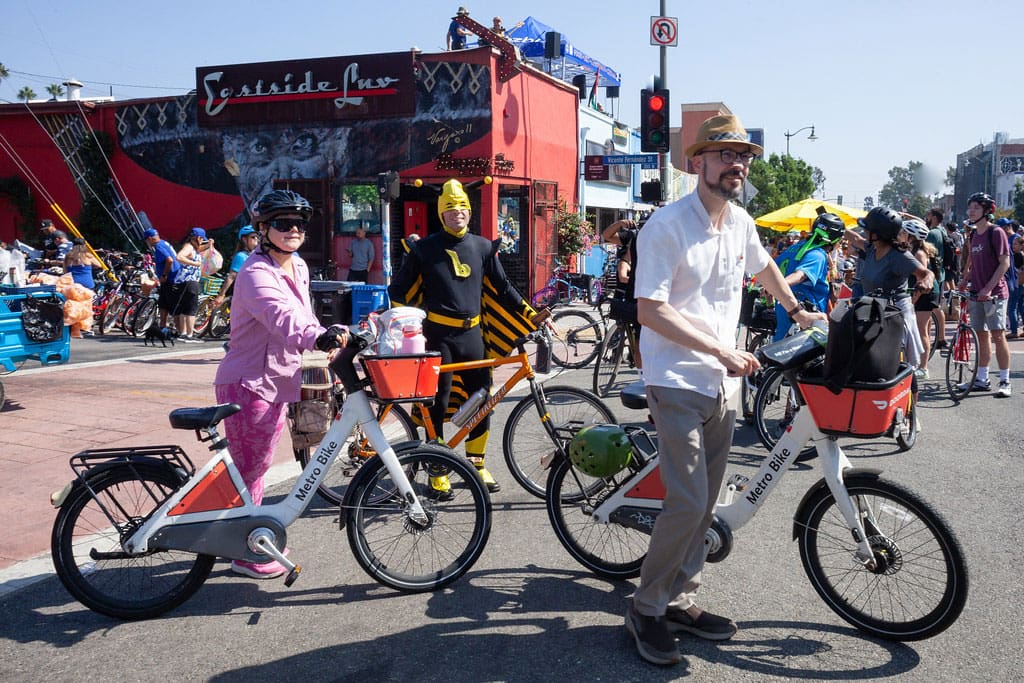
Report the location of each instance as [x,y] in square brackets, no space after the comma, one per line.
[979,385]
[1004,390]
[921,373]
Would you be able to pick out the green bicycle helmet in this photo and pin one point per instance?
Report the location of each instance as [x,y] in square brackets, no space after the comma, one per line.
[600,450]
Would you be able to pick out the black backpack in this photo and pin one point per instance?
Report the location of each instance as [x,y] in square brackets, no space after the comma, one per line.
[864,346]
[949,258]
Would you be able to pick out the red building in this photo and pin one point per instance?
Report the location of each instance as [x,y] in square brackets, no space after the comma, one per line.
[326,127]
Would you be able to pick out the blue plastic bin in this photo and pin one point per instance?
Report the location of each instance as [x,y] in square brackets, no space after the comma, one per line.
[16,347]
[366,299]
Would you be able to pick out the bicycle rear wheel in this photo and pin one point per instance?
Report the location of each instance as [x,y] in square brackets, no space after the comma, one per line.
[920,584]
[527,441]
[400,552]
[220,321]
[545,298]
[114,310]
[397,426]
[962,363]
[144,317]
[577,338]
[609,375]
[609,550]
[203,316]
[93,566]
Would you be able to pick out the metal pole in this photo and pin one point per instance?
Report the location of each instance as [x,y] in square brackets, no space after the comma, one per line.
[665,157]
[385,240]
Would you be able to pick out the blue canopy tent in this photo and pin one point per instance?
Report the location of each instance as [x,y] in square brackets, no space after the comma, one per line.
[529,36]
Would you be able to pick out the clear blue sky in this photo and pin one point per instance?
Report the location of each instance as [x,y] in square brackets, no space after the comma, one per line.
[884,81]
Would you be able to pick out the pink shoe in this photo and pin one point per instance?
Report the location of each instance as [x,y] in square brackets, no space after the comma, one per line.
[259,570]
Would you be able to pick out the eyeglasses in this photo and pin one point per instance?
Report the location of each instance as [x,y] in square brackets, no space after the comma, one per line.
[286,224]
[731,156]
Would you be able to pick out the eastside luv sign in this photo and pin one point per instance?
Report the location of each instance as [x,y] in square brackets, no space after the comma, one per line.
[297,91]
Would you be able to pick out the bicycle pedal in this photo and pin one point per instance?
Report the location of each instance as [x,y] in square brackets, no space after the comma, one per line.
[293,576]
[738,482]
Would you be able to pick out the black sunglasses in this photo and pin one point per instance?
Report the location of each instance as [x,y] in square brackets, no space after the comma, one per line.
[286,224]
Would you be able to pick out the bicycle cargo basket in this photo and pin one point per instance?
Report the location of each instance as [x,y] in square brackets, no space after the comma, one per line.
[862,409]
[210,285]
[403,377]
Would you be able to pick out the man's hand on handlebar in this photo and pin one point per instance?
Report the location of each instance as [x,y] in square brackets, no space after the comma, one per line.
[805,318]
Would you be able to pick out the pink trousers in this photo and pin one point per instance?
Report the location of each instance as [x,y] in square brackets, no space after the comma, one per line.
[253,434]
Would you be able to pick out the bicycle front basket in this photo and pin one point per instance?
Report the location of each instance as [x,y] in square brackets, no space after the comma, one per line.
[403,377]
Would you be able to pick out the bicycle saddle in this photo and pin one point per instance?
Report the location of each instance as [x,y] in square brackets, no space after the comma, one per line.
[634,396]
[202,418]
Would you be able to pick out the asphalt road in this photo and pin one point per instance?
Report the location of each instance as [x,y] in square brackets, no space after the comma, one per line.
[528,612]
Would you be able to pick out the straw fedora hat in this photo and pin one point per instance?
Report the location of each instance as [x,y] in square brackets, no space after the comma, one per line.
[719,129]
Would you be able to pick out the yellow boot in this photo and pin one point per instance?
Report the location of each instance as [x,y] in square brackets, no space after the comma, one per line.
[485,476]
[441,487]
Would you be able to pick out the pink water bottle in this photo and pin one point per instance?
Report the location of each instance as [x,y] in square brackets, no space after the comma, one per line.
[413,340]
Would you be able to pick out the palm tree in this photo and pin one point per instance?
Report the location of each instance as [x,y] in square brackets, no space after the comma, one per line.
[4,73]
[55,90]
[26,94]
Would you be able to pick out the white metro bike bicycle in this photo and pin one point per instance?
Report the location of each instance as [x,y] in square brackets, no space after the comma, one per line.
[877,553]
[138,530]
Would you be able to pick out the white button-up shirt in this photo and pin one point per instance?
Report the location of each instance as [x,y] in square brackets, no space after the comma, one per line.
[682,259]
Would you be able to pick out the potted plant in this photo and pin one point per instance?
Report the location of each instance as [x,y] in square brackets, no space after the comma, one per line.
[575,234]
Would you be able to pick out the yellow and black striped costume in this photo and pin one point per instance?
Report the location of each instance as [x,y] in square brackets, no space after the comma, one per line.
[473,312]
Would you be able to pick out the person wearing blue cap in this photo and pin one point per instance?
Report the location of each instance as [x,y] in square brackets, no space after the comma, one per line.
[187,303]
[165,262]
[248,240]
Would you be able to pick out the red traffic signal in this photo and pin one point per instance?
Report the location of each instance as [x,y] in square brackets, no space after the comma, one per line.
[654,121]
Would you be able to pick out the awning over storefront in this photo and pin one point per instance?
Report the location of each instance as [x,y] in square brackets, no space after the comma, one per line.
[529,35]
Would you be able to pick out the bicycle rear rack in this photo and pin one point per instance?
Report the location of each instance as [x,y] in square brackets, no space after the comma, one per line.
[86,461]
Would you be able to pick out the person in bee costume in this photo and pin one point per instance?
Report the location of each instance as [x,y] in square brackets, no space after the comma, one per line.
[473,311]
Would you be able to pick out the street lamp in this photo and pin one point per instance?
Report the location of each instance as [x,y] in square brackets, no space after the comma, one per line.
[812,137]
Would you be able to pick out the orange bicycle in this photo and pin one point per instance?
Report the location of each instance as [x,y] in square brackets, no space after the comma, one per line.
[528,445]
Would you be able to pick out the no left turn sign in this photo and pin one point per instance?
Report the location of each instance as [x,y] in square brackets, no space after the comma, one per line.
[665,31]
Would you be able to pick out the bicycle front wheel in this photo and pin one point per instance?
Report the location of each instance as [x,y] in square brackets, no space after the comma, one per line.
[397,427]
[557,417]
[919,585]
[775,408]
[577,338]
[748,390]
[411,555]
[93,566]
[962,363]
[609,550]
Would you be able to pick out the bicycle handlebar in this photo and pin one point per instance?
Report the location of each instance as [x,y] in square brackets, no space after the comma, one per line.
[344,363]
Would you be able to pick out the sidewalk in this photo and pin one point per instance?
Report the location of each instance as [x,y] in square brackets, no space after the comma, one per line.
[54,412]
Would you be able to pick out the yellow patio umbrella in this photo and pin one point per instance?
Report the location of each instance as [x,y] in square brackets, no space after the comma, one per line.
[800,215]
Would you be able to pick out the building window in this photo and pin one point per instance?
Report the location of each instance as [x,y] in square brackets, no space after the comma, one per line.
[358,207]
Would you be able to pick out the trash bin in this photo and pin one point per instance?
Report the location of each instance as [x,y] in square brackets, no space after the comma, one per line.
[332,301]
[366,299]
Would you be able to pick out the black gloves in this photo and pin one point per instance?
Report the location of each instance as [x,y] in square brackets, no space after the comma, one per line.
[329,339]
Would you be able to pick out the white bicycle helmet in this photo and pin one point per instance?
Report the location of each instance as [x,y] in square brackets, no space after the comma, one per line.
[915,228]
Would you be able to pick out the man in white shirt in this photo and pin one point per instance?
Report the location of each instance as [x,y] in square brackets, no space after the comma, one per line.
[694,254]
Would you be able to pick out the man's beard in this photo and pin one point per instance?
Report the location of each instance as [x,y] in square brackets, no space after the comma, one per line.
[719,188]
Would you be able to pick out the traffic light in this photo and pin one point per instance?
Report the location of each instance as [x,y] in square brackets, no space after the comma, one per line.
[654,120]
